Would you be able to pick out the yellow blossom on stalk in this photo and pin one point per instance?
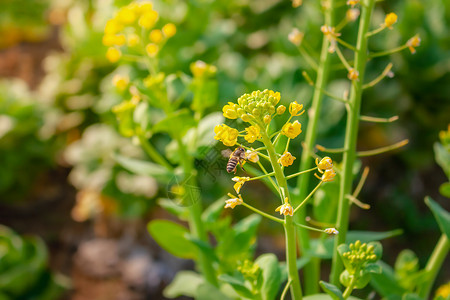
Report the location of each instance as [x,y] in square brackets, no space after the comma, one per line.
[390,20]
[286,208]
[113,40]
[267,119]
[292,130]
[239,182]
[156,36]
[443,291]
[126,15]
[352,14]
[296,109]
[229,111]
[331,231]
[352,3]
[133,40]
[113,54]
[253,133]
[328,175]
[144,6]
[281,109]
[227,135]
[331,35]
[121,82]
[325,164]
[286,159]
[148,19]
[169,30]
[201,69]
[252,156]
[113,27]
[231,203]
[412,43]
[152,49]
[353,74]
[296,37]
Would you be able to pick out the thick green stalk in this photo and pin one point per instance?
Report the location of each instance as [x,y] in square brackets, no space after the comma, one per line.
[351,133]
[311,270]
[195,209]
[434,264]
[289,228]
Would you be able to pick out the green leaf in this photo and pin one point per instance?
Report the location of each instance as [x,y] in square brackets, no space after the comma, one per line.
[271,274]
[171,237]
[406,263]
[344,278]
[331,290]
[238,285]
[325,297]
[442,156]
[205,93]
[411,297]
[211,213]
[325,204]
[146,168]
[373,268]
[141,116]
[176,124]
[180,211]
[444,189]
[185,283]
[441,215]
[362,281]
[343,248]
[386,283]
[203,247]
[206,291]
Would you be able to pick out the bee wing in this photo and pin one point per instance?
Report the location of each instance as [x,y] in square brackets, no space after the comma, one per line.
[227,153]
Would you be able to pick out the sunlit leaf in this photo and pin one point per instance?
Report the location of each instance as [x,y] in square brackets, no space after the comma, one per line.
[185,283]
[331,290]
[146,168]
[441,215]
[271,275]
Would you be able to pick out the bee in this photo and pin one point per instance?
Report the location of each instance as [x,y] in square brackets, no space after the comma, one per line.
[238,156]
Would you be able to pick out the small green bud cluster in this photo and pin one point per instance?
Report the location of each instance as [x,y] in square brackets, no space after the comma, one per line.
[250,270]
[360,254]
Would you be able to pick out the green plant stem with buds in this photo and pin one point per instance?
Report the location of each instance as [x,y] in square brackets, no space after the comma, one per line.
[312,269]
[351,133]
[291,248]
[434,264]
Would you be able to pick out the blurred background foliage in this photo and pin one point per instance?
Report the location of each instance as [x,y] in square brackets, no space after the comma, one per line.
[63,129]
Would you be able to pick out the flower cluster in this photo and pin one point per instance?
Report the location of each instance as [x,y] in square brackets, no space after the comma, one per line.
[296,37]
[360,254]
[132,27]
[325,167]
[286,159]
[233,201]
[331,35]
[227,135]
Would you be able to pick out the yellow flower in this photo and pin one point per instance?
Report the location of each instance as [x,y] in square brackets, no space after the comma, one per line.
[443,291]
[229,111]
[148,19]
[113,40]
[121,82]
[331,35]
[133,40]
[252,156]
[352,2]
[286,159]
[412,43]
[352,14]
[246,118]
[267,119]
[169,30]
[292,130]
[331,231]
[152,49]
[390,20]
[156,36]
[325,164]
[296,37]
[276,97]
[113,27]
[126,16]
[231,203]
[144,6]
[239,182]
[286,208]
[328,175]
[281,109]
[113,54]
[353,74]
[295,109]
[227,135]
[253,134]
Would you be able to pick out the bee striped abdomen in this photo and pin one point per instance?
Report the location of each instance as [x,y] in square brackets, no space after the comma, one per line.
[231,165]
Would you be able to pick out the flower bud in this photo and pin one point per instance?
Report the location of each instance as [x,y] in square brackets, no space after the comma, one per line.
[281,109]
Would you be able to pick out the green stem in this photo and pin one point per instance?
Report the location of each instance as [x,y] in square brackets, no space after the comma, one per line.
[278,220]
[348,291]
[152,153]
[311,270]
[195,209]
[434,264]
[351,134]
[300,173]
[291,249]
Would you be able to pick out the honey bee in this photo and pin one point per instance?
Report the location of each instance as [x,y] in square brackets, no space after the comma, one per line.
[238,156]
